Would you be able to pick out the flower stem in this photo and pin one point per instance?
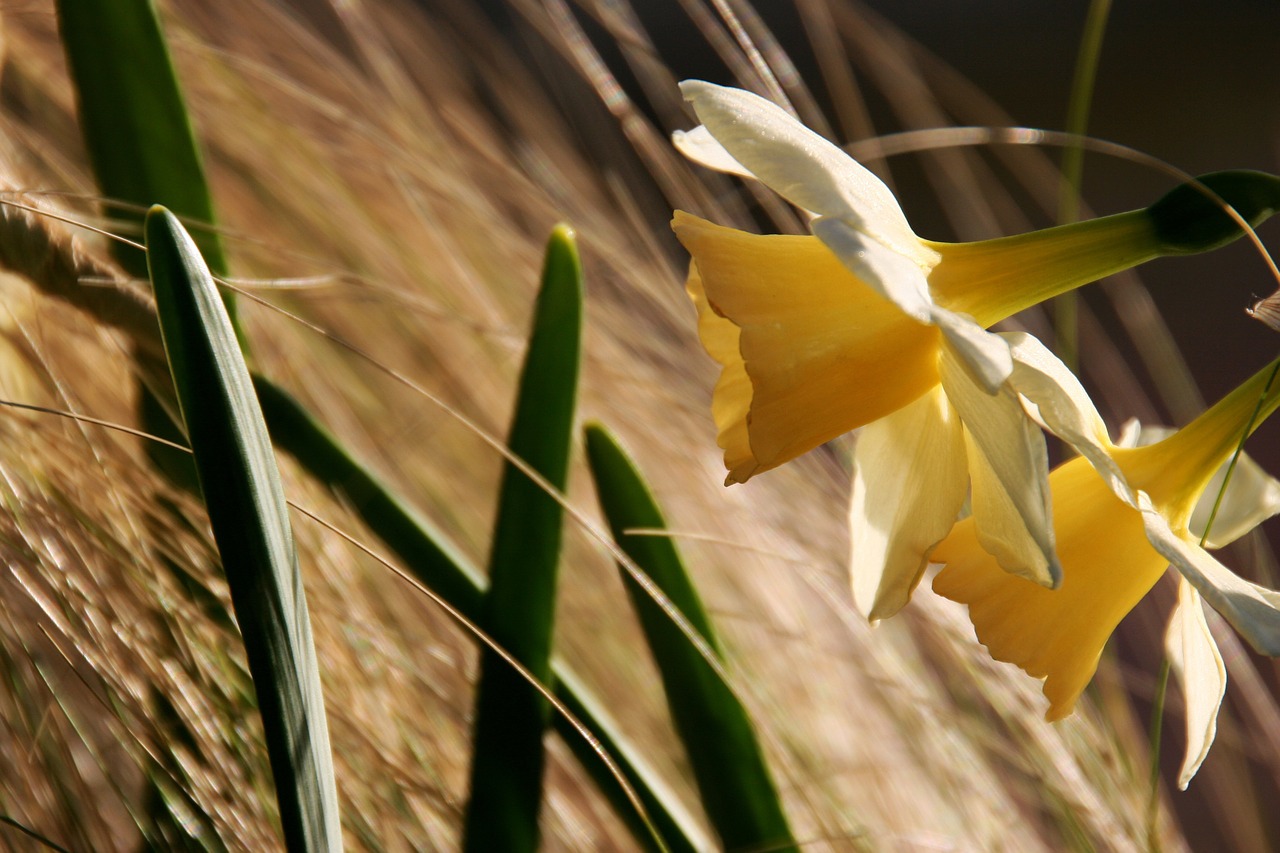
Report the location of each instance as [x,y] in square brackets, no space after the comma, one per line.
[1156,728]
[1066,322]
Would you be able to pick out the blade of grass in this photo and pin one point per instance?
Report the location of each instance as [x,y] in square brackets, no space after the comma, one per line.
[250,522]
[429,556]
[737,789]
[519,608]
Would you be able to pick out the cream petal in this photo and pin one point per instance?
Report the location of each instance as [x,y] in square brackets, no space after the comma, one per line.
[904,283]
[1009,470]
[1196,661]
[985,356]
[894,276]
[1252,610]
[1131,433]
[909,478]
[701,147]
[800,165]
[1251,498]
[1055,398]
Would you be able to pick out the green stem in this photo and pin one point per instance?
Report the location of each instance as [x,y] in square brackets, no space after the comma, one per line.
[1066,313]
[1157,726]
[1095,27]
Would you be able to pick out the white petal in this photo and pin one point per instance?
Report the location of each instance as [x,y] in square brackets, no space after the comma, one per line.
[985,356]
[890,273]
[1055,398]
[800,165]
[904,283]
[1196,661]
[1252,610]
[1009,470]
[1132,434]
[701,147]
[908,486]
[1251,498]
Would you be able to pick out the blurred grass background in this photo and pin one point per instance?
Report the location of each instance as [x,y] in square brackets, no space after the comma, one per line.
[390,171]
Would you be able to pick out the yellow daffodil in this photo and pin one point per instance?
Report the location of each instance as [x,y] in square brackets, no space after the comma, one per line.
[864,324]
[1122,515]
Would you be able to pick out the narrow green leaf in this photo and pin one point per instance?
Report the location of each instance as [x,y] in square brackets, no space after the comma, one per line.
[428,555]
[519,608]
[423,549]
[140,142]
[250,524]
[677,829]
[728,765]
[133,116]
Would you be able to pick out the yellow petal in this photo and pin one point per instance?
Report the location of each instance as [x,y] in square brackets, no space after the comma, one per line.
[822,353]
[1058,635]
[1176,471]
[1252,495]
[909,479]
[1196,661]
[731,399]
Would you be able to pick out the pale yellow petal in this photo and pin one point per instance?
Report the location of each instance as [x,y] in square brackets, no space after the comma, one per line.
[1198,665]
[800,165]
[1132,432]
[701,147]
[1251,498]
[1252,610]
[985,356]
[909,479]
[890,273]
[1107,567]
[1009,471]
[1055,398]
[822,353]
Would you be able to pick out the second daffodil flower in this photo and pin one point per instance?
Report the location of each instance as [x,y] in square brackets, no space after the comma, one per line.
[1122,516]
[864,324]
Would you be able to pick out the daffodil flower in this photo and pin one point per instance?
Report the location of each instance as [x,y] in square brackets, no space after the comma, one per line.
[864,324]
[1121,516]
